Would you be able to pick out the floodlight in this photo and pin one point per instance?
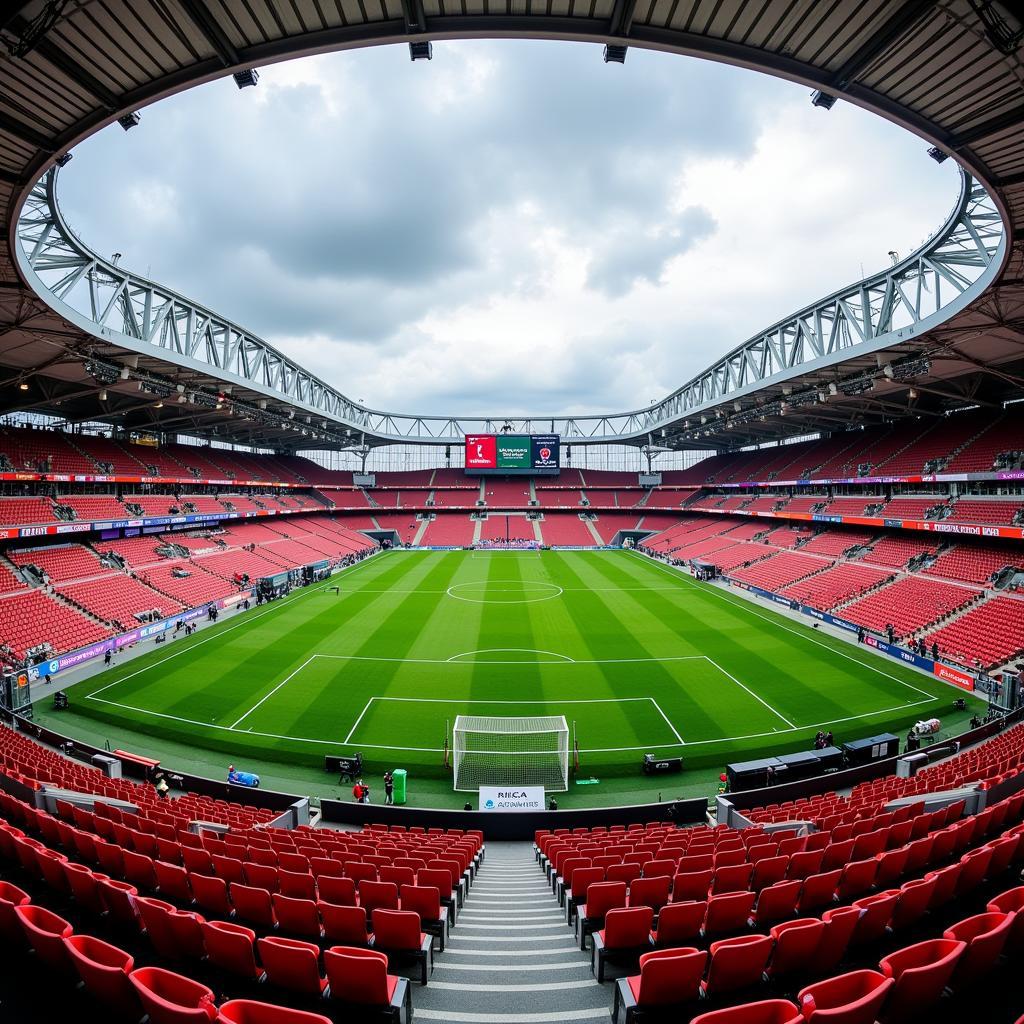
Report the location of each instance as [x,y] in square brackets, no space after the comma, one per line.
[129,121]
[250,76]
[937,155]
[64,159]
[822,99]
[422,50]
[614,53]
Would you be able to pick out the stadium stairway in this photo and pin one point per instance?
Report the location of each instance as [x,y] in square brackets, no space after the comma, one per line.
[511,959]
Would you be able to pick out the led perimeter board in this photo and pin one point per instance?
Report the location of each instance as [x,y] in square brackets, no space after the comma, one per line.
[512,454]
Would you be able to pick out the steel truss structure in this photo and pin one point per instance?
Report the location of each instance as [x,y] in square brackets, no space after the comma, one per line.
[899,304]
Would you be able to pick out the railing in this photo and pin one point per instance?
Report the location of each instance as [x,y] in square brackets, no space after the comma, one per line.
[123,309]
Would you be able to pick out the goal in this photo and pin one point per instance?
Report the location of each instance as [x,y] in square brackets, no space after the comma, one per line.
[510,752]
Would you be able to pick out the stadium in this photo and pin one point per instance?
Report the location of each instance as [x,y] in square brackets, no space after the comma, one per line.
[316,711]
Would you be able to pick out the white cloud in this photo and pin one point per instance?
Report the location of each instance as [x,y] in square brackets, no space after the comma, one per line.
[513,227]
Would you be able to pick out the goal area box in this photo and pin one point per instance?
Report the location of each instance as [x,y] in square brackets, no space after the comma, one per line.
[510,752]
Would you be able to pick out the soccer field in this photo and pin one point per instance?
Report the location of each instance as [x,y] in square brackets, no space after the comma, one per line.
[638,656]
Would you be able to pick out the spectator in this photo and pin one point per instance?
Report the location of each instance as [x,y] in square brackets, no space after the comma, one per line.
[830,740]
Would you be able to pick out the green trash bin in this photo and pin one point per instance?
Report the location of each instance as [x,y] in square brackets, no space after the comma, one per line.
[399,775]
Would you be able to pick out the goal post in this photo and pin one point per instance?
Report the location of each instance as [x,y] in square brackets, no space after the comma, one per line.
[510,752]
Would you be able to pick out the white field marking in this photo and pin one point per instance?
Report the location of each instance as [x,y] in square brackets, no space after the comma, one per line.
[779,625]
[286,679]
[484,700]
[359,719]
[251,732]
[657,707]
[438,750]
[566,590]
[213,635]
[567,661]
[510,650]
[760,700]
[484,596]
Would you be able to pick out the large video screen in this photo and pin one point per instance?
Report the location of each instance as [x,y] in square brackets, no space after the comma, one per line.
[512,454]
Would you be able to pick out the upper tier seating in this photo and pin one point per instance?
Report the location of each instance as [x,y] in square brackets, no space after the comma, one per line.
[29,619]
[109,457]
[909,604]
[1005,434]
[42,451]
[597,478]
[566,529]
[988,635]
[836,585]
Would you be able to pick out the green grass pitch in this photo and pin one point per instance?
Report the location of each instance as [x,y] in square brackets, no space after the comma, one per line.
[639,656]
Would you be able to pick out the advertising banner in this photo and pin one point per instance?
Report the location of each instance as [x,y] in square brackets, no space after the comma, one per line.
[512,798]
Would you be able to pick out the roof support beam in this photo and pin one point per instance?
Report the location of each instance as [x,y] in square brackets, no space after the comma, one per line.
[415,16]
[212,32]
[905,16]
[52,53]
[1008,119]
[622,18]
[25,133]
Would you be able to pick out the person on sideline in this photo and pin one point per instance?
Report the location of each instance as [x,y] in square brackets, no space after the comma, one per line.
[389,788]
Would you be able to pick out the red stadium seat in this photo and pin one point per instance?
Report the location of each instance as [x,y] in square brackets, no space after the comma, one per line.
[247,1011]
[736,963]
[853,998]
[669,980]
[232,948]
[626,934]
[360,979]
[768,1011]
[105,970]
[292,964]
[170,998]
[921,973]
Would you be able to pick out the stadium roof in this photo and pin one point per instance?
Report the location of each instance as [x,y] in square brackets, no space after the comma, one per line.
[949,71]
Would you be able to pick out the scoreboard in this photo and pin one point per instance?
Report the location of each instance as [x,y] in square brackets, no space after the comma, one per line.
[512,454]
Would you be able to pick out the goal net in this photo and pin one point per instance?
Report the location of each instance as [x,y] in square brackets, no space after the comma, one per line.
[510,752]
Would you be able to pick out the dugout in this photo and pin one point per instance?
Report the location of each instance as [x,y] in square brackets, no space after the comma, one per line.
[871,748]
[704,570]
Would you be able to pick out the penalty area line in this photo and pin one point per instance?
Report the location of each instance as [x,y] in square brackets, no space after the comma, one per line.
[267,697]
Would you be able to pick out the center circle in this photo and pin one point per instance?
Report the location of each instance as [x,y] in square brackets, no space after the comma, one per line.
[504,591]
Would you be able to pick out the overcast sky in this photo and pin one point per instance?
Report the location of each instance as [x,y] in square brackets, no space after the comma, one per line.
[512,227]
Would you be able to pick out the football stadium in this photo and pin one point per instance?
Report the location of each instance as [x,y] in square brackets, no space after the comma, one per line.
[315,709]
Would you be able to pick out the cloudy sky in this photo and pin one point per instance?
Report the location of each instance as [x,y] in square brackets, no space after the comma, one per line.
[512,227]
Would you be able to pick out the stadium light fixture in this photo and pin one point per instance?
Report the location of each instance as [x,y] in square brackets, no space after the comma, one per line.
[825,100]
[64,159]
[243,79]
[422,49]
[23,386]
[937,155]
[103,395]
[615,53]
[129,121]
